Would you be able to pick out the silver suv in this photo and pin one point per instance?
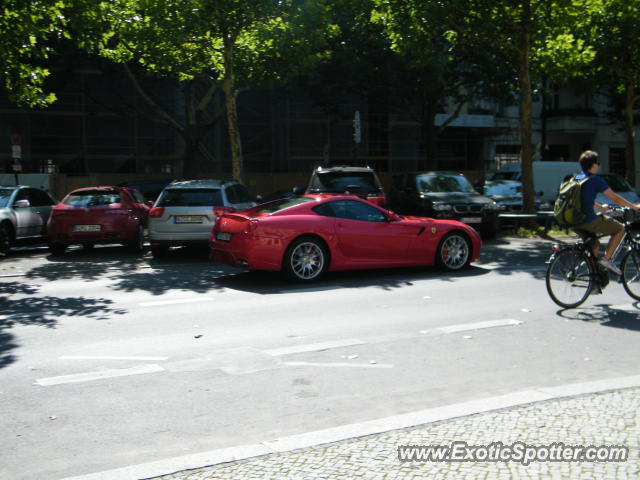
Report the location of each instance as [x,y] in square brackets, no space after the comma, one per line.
[185,212]
[24,212]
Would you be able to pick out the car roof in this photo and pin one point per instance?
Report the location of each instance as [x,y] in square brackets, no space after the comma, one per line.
[199,183]
[437,173]
[98,188]
[343,168]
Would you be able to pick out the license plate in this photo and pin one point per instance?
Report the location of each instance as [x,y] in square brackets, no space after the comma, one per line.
[471,220]
[85,228]
[189,219]
[223,236]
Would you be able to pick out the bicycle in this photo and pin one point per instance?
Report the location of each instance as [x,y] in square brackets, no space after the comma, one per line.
[573,272]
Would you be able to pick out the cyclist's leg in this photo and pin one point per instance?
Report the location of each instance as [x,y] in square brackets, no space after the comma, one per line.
[612,227]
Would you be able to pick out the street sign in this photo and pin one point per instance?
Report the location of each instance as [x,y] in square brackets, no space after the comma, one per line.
[16,151]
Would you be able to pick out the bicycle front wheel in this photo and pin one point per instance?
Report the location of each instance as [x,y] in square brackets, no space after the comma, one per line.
[569,278]
[631,273]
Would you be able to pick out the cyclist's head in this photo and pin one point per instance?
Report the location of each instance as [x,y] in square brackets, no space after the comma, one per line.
[587,159]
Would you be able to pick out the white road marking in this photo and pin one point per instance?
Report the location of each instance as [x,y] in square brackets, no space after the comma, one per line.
[102,357]
[338,365]
[314,347]
[464,327]
[176,302]
[90,376]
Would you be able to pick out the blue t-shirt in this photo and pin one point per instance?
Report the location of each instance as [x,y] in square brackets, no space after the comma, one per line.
[590,189]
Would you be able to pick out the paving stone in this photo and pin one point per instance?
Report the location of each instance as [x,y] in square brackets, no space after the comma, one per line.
[610,418]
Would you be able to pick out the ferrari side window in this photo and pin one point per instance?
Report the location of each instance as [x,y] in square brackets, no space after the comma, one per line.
[353,210]
[325,210]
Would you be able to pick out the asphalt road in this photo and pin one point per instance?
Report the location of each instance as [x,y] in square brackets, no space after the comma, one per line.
[108,359]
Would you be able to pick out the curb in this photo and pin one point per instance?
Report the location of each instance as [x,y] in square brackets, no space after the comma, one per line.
[346,432]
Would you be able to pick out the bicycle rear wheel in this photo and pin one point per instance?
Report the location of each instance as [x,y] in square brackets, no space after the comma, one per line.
[569,278]
[631,273]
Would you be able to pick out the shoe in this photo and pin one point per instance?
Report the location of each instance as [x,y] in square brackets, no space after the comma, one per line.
[609,265]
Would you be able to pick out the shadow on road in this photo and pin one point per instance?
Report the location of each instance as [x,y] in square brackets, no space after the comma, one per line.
[628,319]
[269,283]
[44,311]
[513,255]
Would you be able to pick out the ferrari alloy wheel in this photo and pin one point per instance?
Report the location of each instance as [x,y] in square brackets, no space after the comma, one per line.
[454,252]
[306,260]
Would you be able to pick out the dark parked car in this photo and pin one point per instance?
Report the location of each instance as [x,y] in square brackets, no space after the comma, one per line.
[444,195]
[360,181]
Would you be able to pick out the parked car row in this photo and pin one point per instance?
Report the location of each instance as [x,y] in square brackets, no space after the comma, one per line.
[341,222]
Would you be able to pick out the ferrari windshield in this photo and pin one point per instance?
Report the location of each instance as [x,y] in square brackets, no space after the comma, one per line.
[444,183]
[282,204]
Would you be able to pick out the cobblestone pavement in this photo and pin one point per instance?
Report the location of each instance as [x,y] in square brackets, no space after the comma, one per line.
[609,418]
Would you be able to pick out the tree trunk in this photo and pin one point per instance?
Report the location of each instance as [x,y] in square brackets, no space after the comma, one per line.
[228,86]
[524,83]
[629,164]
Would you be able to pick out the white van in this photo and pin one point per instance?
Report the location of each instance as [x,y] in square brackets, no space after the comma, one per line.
[547,176]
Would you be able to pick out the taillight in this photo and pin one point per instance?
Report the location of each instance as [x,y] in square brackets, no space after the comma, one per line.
[156,212]
[219,211]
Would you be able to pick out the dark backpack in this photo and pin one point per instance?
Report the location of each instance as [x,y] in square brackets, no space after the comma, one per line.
[568,207]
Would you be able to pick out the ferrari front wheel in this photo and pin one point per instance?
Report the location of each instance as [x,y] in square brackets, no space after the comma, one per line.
[454,251]
[306,259]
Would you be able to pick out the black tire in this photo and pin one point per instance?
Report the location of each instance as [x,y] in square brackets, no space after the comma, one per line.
[57,248]
[159,251]
[137,244]
[306,259]
[631,273]
[88,246]
[6,238]
[570,278]
[454,251]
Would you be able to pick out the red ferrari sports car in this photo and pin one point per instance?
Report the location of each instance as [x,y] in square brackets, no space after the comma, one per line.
[308,235]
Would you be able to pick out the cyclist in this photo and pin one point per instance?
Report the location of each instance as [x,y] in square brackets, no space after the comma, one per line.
[600,223]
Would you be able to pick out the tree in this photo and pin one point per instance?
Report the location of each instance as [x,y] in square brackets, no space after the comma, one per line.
[418,31]
[226,44]
[616,37]
[26,28]
[528,38]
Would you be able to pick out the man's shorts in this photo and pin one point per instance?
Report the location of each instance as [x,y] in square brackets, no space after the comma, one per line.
[602,225]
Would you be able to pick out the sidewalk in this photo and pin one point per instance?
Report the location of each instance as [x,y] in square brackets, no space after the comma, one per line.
[607,418]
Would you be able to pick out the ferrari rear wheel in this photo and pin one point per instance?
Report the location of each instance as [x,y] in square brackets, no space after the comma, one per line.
[306,259]
[454,251]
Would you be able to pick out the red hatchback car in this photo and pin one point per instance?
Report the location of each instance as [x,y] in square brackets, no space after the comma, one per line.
[94,215]
[308,235]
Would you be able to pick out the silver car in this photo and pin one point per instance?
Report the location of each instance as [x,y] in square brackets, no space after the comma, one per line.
[185,212]
[24,212]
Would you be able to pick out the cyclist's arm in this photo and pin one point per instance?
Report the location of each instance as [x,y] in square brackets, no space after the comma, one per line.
[620,200]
